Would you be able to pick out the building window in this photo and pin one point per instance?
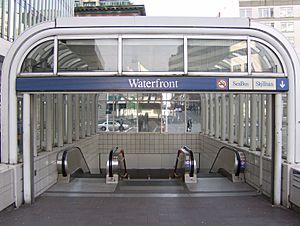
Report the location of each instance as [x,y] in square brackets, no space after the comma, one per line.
[89,4]
[287,27]
[286,12]
[246,12]
[270,24]
[265,12]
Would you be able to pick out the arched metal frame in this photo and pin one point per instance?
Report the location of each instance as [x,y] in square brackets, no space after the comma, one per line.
[187,27]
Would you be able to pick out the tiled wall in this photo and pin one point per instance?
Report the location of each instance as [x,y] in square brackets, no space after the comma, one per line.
[10,178]
[147,150]
[209,149]
[45,171]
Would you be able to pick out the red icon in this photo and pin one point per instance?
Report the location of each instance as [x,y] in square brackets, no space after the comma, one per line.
[222,84]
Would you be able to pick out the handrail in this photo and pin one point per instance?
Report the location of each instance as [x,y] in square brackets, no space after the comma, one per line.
[240,162]
[65,167]
[112,153]
[186,151]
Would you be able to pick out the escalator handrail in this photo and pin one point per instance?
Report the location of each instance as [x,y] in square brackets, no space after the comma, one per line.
[116,152]
[65,158]
[185,150]
[237,154]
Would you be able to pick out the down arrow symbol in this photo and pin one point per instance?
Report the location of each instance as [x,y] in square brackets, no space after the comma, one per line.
[282,84]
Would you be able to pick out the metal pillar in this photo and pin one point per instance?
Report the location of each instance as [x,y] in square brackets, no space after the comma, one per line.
[60,124]
[231,119]
[49,122]
[217,116]
[211,115]
[223,121]
[77,117]
[69,119]
[88,115]
[278,149]
[241,121]
[253,122]
[269,126]
[27,151]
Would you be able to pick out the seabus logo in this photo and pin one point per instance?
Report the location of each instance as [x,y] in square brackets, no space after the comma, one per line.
[157,83]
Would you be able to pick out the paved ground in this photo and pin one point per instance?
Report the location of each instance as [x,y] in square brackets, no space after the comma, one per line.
[153,211]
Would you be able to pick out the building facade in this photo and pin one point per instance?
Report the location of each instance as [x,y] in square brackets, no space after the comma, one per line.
[108,8]
[283,15]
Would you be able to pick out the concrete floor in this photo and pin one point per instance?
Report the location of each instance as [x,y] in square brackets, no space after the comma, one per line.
[150,211]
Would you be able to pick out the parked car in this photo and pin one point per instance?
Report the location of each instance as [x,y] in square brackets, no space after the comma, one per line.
[112,126]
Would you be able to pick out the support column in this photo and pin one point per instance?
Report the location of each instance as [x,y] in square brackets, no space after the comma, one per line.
[88,115]
[60,124]
[34,124]
[27,151]
[263,123]
[211,115]
[253,122]
[42,122]
[69,119]
[247,118]
[269,126]
[231,119]
[206,115]
[83,116]
[93,113]
[223,121]
[77,117]
[278,149]
[49,122]
[241,121]
[217,116]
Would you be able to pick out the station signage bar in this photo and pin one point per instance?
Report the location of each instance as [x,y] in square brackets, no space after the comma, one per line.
[117,83]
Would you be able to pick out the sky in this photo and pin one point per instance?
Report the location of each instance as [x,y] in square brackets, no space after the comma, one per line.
[198,8]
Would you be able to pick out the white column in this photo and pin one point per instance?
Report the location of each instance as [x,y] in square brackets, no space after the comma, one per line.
[42,122]
[278,149]
[223,112]
[27,152]
[77,117]
[83,116]
[263,123]
[60,135]
[34,124]
[253,122]
[69,119]
[217,116]
[206,115]
[88,115]
[269,126]
[211,114]
[247,118]
[231,119]
[49,122]
[241,121]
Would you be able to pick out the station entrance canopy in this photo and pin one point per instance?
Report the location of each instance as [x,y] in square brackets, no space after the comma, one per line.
[143,54]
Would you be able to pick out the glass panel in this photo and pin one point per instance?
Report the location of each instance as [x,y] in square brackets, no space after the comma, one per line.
[264,59]
[152,55]
[173,111]
[88,55]
[193,116]
[149,112]
[40,59]
[217,55]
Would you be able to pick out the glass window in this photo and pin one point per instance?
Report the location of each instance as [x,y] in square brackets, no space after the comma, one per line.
[40,59]
[287,27]
[149,112]
[266,12]
[286,12]
[217,55]
[246,12]
[88,55]
[264,59]
[158,55]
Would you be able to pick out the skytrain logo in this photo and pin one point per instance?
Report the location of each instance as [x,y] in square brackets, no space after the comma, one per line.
[152,84]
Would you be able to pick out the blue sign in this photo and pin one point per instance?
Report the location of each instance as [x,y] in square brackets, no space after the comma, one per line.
[282,84]
[117,83]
